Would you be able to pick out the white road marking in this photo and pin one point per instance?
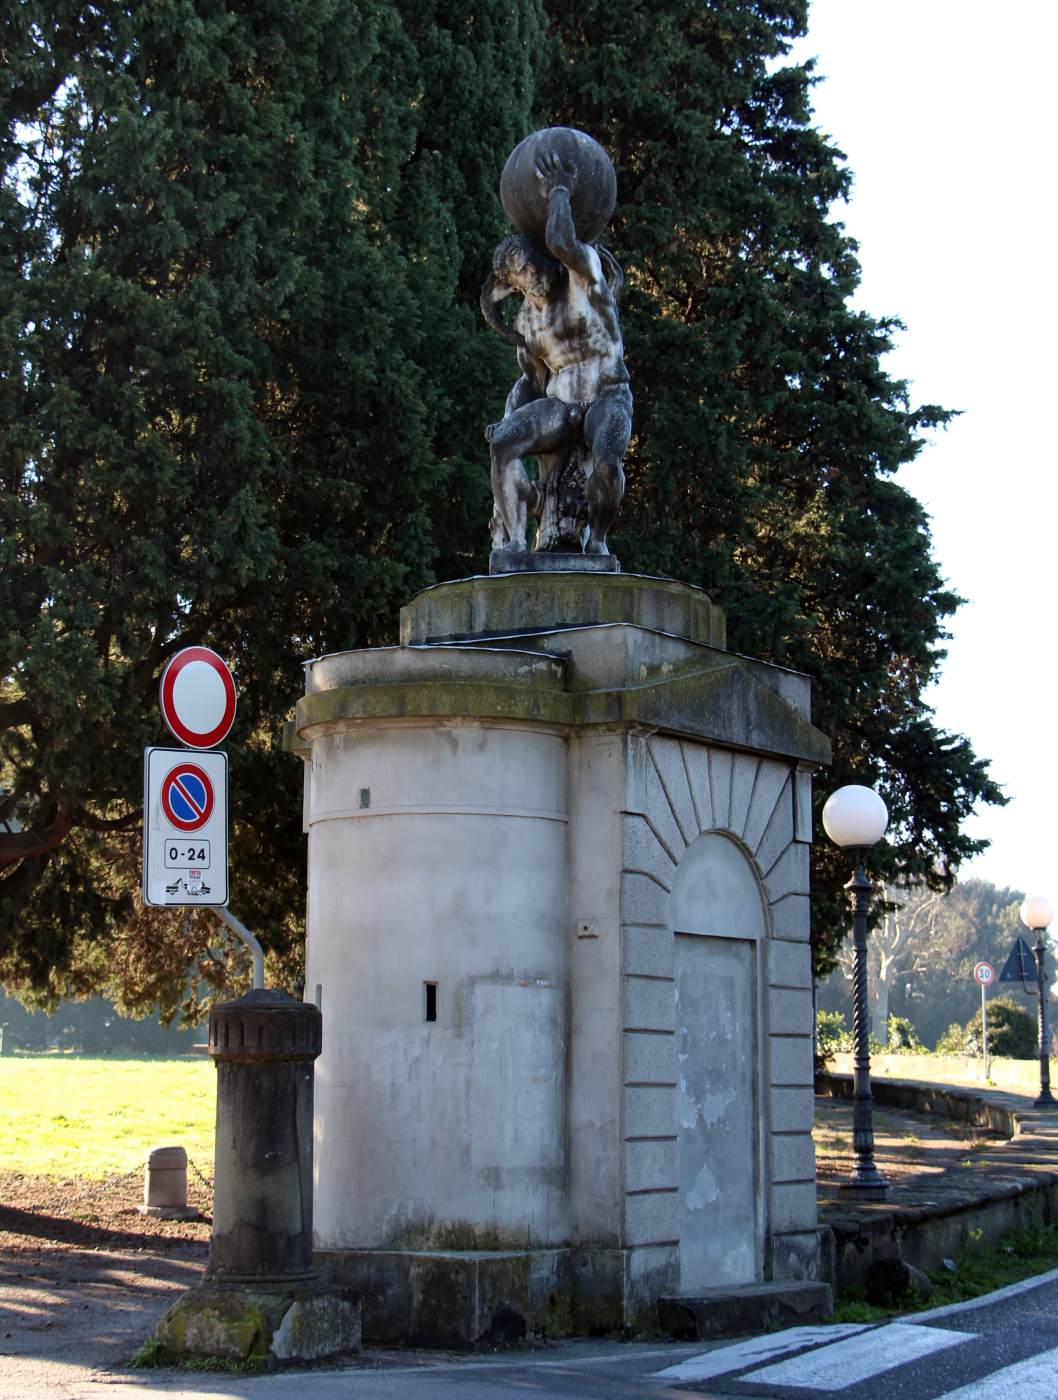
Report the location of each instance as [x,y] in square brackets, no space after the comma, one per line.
[734,1357]
[860,1358]
[1034,1379]
[610,1358]
[986,1299]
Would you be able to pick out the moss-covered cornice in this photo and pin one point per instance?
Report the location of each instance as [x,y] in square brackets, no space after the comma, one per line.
[724,704]
[471,699]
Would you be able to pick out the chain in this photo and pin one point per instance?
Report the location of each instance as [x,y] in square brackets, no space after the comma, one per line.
[206,1181]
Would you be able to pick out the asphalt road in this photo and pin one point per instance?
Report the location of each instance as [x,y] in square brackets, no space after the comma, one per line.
[1004,1345]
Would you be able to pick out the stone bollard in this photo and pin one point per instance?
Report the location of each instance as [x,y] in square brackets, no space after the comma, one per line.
[263,1045]
[165,1185]
[260,1299]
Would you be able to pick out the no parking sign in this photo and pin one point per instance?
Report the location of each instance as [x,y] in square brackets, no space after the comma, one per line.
[185,827]
[188,796]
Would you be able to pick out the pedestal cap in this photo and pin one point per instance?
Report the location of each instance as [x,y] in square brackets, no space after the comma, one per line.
[265,1024]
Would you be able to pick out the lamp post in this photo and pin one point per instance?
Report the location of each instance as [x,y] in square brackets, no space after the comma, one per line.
[854,818]
[1036,913]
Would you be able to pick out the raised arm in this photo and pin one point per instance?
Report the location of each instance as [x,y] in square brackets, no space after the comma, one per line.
[560,235]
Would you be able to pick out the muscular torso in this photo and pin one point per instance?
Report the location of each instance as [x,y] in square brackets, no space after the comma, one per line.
[576,336]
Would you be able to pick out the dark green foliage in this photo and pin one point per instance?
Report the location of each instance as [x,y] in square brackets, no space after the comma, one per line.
[236,338]
[92,1027]
[833,1036]
[243,383]
[1012,1031]
[903,1038]
[942,938]
[767,431]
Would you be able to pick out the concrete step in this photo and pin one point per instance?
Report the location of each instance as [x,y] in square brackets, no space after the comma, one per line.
[745,1308]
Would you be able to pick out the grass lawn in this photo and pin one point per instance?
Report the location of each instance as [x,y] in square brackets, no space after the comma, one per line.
[67,1116]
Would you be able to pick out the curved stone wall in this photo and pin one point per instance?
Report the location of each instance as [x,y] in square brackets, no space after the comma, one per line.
[437,858]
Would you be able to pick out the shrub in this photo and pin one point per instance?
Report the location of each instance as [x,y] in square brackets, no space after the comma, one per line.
[1011,1032]
[952,1042]
[903,1038]
[832,1035]
[1011,1029]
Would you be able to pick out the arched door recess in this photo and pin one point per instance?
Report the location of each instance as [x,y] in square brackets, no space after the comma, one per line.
[719,920]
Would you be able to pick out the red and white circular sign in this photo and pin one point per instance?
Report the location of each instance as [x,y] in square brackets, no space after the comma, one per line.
[187,797]
[197,696]
[985,973]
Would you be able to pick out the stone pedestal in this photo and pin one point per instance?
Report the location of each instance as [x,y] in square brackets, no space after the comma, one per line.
[521,561]
[165,1184]
[558,922]
[263,1045]
[261,1298]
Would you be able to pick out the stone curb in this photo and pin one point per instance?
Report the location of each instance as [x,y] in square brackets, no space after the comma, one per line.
[1017,1188]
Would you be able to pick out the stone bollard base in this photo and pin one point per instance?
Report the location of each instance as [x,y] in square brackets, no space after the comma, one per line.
[258,1322]
[171,1212]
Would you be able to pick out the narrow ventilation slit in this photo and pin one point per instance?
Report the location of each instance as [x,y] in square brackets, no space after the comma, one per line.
[430,1001]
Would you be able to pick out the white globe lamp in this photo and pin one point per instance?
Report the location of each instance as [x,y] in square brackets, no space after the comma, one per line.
[1036,912]
[855,816]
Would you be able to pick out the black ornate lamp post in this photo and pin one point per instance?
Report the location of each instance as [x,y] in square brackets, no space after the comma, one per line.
[854,818]
[1036,914]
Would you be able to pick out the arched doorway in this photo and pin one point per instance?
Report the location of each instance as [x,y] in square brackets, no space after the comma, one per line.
[719,922]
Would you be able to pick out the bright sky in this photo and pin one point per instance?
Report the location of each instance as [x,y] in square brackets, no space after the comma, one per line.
[945,110]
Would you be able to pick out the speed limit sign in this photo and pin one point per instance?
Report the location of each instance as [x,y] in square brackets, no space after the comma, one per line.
[985,973]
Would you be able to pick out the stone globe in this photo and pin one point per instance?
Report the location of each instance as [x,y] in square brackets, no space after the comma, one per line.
[594,191]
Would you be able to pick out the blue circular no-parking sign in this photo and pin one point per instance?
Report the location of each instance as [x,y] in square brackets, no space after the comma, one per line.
[187,797]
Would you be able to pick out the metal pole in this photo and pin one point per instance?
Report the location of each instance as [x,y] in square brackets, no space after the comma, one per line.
[866,1182]
[1046,1098]
[984,1027]
[241,931]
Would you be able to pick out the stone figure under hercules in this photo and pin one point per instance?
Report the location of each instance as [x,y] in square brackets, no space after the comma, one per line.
[572,405]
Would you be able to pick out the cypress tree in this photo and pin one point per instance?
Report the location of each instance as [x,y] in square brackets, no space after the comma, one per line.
[231,375]
[767,432]
[244,383]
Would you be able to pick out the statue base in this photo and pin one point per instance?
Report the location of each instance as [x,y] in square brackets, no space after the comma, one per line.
[528,561]
[566,833]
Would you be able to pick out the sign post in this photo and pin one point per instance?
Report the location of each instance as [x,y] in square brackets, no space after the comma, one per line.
[185,799]
[985,974]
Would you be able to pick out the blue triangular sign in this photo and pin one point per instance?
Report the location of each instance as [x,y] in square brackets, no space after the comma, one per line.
[1021,965]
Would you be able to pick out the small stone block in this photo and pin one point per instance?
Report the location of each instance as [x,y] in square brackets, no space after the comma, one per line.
[790,1011]
[807,1255]
[649,1004]
[649,1112]
[528,561]
[254,1323]
[792,1109]
[324,1324]
[734,1312]
[789,964]
[165,1183]
[793,1206]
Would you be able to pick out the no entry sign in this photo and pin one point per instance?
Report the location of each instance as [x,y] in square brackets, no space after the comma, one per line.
[197,696]
[185,827]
